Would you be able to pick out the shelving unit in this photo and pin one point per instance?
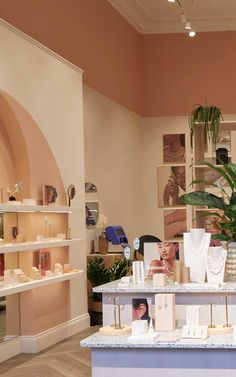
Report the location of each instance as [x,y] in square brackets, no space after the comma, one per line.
[32,284]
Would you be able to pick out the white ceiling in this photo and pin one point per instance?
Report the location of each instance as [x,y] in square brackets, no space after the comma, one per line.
[161,16]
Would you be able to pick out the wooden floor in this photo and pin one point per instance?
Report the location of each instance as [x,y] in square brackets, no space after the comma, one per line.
[65,359]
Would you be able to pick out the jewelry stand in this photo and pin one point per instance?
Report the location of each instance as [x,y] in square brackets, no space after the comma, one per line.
[220,329]
[196,245]
[142,333]
[193,329]
[164,312]
[116,328]
[216,257]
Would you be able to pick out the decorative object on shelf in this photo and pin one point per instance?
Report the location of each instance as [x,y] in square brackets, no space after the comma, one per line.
[138,272]
[224,220]
[49,195]
[18,190]
[102,239]
[222,156]
[70,193]
[207,117]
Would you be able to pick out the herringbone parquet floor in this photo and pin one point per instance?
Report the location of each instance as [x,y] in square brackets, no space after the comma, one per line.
[65,359]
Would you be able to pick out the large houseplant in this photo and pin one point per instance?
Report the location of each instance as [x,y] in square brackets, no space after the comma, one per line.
[225,217]
[97,274]
[208,117]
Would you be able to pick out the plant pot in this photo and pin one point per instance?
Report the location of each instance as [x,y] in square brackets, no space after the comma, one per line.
[230,265]
[103,244]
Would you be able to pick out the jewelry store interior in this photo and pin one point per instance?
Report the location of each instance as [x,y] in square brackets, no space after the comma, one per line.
[117,188]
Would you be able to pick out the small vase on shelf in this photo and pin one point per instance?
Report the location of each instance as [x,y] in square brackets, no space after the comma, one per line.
[103,243]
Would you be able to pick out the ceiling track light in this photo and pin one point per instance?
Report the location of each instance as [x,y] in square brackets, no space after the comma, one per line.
[192,33]
[188,25]
[171,1]
[183,17]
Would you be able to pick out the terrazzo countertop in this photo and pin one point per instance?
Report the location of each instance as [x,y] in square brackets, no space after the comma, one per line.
[212,342]
[114,287]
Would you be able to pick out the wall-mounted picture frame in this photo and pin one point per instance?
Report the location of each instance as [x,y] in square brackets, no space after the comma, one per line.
[141,309]
[174,148]
[49,195]
[224,140]
[171,185]
[175,223]
[91,213]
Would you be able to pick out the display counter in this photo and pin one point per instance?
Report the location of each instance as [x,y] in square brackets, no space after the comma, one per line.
[114,356]
[169,355]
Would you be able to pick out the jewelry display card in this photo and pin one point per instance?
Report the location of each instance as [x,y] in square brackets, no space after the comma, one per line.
[216,258]
[164,312]
[195,332]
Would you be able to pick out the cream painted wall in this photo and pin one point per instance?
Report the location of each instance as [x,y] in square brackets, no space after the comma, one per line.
[113,141]
[152,156]
[50,89]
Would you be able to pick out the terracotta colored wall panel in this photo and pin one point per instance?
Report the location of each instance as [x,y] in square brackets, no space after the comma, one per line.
[90,34]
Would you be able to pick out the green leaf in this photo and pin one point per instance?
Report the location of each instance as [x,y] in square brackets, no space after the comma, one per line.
[203,198]
[220,237]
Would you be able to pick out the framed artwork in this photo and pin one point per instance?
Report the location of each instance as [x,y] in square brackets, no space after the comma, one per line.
[174,148]
[49,195]
[91,213]
[224,140]
[171,185]
[175,223]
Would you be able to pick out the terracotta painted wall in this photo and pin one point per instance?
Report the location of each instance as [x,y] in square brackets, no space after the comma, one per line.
[182,71]
[152,75]
[90,34]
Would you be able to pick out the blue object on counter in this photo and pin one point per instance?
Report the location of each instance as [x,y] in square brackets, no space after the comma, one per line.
[116,235]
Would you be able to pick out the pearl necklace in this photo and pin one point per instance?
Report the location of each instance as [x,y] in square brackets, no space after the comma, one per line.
[215,268]
[201,247]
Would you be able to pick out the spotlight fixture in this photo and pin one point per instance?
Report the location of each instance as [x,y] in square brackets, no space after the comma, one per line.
[188,25]
[183,17]
[192,33]
[171,1]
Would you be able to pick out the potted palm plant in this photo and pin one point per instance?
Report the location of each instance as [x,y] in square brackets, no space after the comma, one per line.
[209,118]
[225,215]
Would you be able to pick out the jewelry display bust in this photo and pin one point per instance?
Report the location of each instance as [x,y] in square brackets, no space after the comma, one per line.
[196,245]
[216,258]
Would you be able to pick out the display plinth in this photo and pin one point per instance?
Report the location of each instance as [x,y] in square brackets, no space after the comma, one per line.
[220,330]
[112,331]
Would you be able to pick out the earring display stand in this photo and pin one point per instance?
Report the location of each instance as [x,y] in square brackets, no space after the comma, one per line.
[141,332]
[220,329]
[193,329]
[116,328]
[164,312]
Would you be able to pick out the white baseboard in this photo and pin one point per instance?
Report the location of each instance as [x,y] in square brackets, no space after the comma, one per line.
[36,343]
[10,348]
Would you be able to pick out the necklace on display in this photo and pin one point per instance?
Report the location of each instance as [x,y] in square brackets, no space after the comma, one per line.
[215,263]
[200,249]
[169,269]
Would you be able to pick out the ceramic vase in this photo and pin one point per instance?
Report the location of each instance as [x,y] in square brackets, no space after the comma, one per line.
[230,265]
[102,243]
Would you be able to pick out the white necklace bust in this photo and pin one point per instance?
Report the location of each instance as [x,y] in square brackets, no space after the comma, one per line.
[196,245]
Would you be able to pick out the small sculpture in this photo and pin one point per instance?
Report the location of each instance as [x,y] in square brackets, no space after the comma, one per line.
[70,193]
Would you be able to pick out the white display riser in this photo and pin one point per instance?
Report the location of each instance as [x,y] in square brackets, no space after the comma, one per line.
[37,208]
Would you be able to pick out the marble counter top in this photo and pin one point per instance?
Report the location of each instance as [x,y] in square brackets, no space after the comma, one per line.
[113,287]
[212,342]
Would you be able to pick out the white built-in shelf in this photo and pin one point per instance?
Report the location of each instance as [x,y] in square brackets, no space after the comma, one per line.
[36,208]
[22,287]
[33,245]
